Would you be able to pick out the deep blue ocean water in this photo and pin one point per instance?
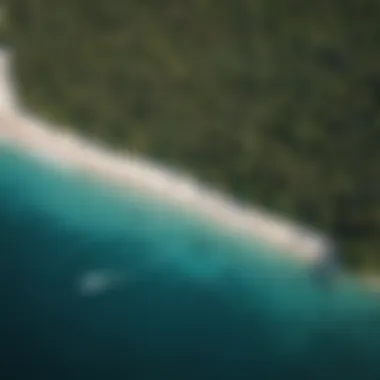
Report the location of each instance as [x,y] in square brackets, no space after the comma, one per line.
[95,284]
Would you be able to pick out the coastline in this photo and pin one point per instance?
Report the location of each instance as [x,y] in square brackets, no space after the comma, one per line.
[70,151]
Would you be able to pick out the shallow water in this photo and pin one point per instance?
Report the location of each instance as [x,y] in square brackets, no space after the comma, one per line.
[102,285]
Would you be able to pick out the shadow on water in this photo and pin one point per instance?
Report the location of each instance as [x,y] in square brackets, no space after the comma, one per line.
[173,299]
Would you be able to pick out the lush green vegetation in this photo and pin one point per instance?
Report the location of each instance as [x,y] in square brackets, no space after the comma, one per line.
[274,101]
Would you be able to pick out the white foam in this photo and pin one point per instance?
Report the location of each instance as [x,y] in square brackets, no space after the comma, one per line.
[21,129]
[97,282]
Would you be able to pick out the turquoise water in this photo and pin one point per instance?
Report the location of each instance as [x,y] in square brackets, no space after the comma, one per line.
[176,297]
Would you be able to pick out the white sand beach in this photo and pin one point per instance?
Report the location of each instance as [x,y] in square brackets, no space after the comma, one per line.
[54,143]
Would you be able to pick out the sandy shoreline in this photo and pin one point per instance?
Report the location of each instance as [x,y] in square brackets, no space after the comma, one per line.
[70,151]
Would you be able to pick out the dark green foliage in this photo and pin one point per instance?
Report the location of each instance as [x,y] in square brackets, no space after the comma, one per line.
[274,101]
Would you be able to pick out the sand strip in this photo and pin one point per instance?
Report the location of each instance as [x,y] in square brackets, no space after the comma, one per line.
[70,151]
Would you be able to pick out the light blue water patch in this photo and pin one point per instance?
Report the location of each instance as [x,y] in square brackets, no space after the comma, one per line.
[102,285]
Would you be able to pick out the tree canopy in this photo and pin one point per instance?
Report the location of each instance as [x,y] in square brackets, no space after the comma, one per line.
[276,102]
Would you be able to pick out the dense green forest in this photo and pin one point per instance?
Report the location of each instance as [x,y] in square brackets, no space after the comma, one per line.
[276,102]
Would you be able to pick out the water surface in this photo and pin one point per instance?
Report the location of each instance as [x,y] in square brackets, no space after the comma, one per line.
[102,285]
